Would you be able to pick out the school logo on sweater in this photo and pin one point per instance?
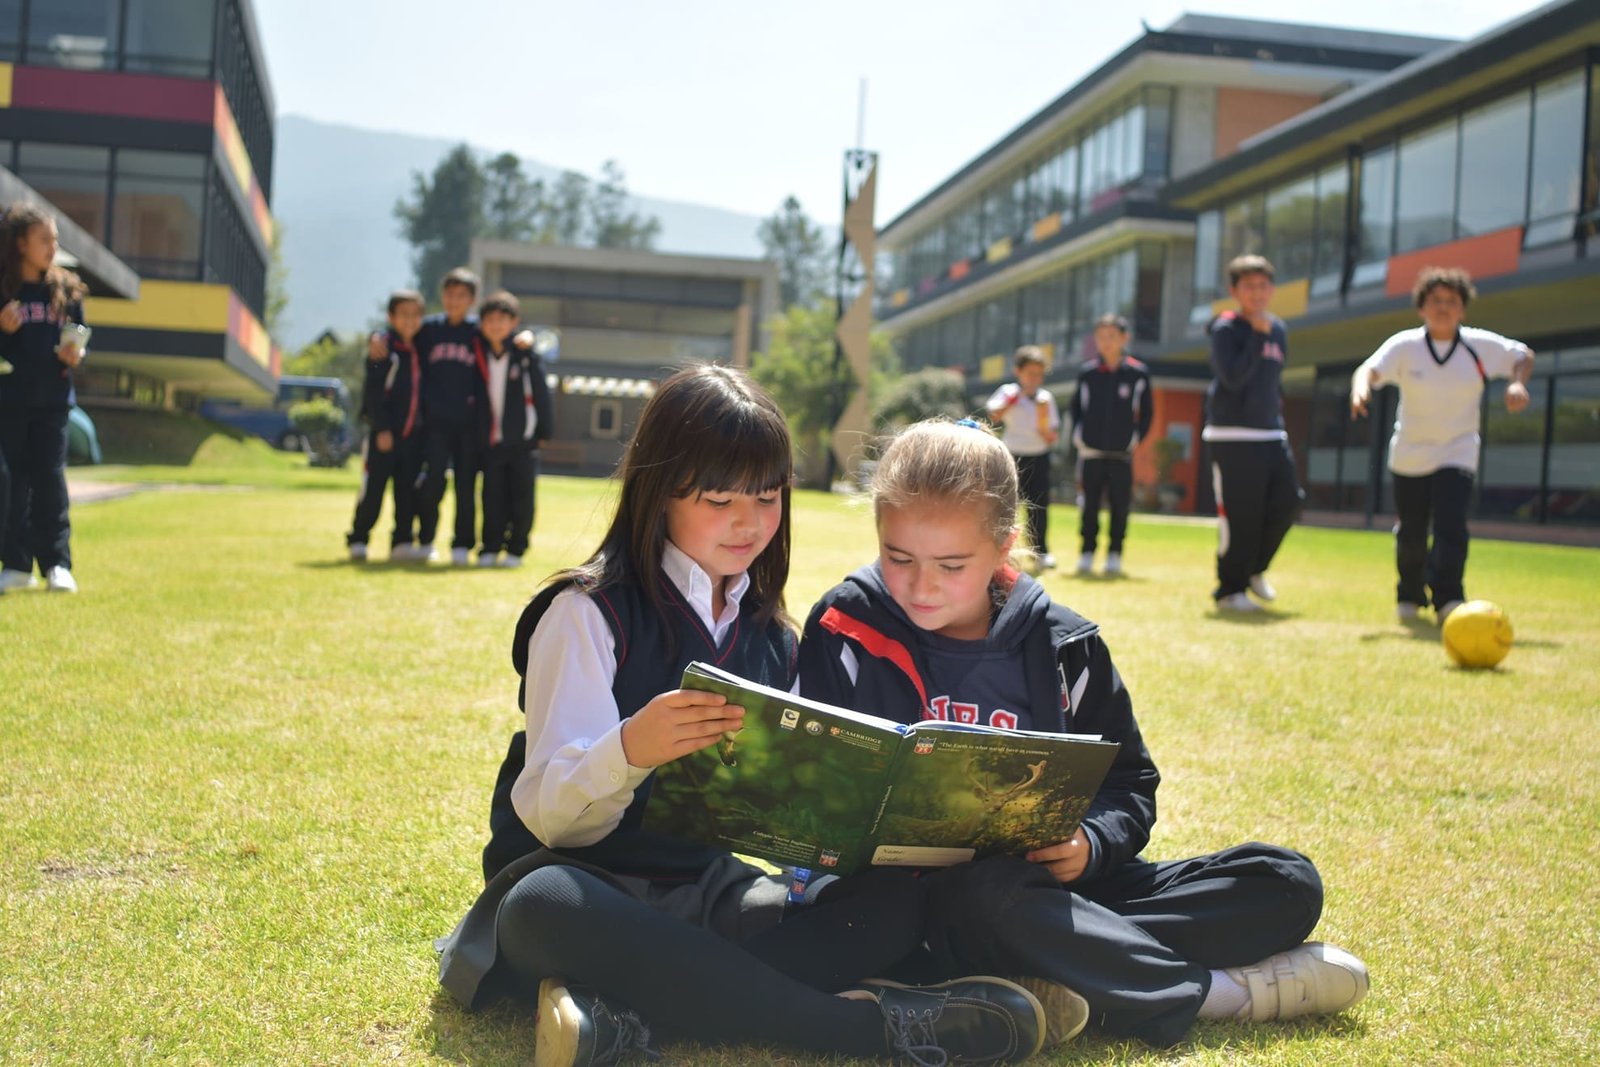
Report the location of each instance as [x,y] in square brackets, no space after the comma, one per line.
[450,352]
[37,311]
[947,710]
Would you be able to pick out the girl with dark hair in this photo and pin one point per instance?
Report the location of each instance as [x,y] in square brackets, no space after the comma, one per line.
[619,931]
[41,331]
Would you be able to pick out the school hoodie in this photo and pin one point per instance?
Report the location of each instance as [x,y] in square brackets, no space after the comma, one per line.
[39,379]
[1041,667]
[451,383]
[392,394]
[523,411]
[1245,399]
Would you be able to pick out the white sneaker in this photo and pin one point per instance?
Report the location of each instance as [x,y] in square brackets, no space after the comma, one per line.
[1406,611]
[1310,979]
[1262,588]
[508,560]
[60,580]
[1445,609]
[402,553]
[1113,564]
[488,559]
[358,552]
[1047,561]
[1086,563]
[1237,602]
[11,579]
[425,553]
[460,557]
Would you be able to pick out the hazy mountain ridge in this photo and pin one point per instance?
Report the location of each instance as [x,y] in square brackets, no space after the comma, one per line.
[334,192]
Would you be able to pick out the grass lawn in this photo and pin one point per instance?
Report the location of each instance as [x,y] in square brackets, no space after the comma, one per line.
[245,783]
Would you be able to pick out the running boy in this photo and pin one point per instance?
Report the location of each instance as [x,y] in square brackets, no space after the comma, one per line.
[393,449]
[942,626]
[1442,369]
[1252,470]
[1111,413]
[1027,413]
[517,417]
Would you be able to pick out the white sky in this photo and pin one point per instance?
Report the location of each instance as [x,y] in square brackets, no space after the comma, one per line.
[738,103]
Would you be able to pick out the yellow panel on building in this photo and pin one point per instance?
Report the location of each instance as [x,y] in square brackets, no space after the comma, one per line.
[999,250]
[196,306]
[1289,300]
[5,84]
[992,368]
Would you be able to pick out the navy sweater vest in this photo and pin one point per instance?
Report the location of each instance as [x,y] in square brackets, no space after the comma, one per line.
[646,667]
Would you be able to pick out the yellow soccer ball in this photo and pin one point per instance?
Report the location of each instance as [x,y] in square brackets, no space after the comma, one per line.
[1477,634]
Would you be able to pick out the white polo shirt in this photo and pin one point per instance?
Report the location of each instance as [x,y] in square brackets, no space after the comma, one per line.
[1441,393]
[1025,417]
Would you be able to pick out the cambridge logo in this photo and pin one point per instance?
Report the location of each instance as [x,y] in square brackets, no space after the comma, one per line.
[924,746]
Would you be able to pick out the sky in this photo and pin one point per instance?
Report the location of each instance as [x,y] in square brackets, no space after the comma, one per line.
[734,103]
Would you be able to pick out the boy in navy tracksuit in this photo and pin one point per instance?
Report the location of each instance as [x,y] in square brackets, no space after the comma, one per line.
[1111,413]
[392,405]
[1252,469]
[37,300]
[516,417]
[452,398]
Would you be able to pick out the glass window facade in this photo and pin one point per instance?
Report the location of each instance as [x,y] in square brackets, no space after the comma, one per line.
[1292,227]
[1494,165]
[81,34]
[10,30]
[157,211]
[1425,196]
[170,36]
[1555,174]
[73,178]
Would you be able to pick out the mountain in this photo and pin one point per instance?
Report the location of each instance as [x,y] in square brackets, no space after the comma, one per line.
[334,192]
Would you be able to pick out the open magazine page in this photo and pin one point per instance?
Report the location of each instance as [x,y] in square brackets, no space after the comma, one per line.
[958,792]
[801,784]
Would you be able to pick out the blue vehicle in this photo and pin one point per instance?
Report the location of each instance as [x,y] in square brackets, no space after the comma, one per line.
[272,424]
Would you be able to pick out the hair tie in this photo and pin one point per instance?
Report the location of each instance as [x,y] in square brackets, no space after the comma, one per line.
[971,424]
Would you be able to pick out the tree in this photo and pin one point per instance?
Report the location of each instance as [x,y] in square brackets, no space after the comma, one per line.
[277,285]
[799,370]
[512,202]
[330,356]
[921,395]
[611,224]
[795,243]
[442,216]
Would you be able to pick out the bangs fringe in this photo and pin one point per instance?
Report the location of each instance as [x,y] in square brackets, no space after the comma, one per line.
[748,453]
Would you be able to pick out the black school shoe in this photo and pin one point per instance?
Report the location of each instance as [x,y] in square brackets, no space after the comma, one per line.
[578,1029]
[965,1020]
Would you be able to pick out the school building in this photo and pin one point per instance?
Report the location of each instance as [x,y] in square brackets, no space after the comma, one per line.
[626,319]
[1349,158]
[148,125]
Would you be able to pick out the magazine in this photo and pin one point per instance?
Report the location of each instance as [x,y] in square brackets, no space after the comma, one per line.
[807,784]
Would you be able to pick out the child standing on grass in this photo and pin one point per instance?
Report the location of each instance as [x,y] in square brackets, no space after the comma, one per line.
[37,299]
[391,401]
[1027,413]
[1111,414]
[941,626]
[516,418]
[617,931]
[1252,469]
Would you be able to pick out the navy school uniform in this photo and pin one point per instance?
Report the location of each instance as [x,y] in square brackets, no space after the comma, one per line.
[1137,939]
[35,399]
[391,402]
[696,940]
[452,404]
[1111,414]
[1257,491]
[511,447]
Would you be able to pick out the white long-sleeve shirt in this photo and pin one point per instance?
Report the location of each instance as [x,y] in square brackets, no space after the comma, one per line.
[578,782]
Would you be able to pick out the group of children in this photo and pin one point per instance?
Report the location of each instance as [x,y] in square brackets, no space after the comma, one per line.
[459,392]
[42,341]
[621,936]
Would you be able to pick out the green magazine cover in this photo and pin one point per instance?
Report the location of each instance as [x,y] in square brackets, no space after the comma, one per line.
[807,784]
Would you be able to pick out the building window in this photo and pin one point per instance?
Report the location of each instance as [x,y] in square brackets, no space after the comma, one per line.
[1375,227]
[1244,229]
[1573,491]
[1327,265]
[160,200]
[1494,165]
[1151,267]
[1157,131]
[81,34]
[1208,258]
[170,36]
[1555,171]
[1426,192]
[605,420]
[1291,227]
[1591,192]
[10,30]
[71,177]
[1068,162]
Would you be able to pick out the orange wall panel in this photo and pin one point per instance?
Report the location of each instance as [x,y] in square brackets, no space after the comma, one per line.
[1483,256]
[1242,113]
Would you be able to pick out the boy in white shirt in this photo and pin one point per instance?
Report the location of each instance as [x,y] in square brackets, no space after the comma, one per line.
[1442,369]
[1028,418]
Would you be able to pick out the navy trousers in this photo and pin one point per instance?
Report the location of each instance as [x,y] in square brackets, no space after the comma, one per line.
[510,473]
[1033,481]
[37,530]
[1112,479]
[1441,500]
[1258,499]
[457,448]
[401,465]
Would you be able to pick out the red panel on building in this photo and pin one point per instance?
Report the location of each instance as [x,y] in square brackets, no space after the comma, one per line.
[1482,257]
[95,92]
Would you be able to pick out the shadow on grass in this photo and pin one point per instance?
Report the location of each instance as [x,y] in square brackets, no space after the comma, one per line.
[1410,630]
[1098,577]
[387,566]
[1264,617]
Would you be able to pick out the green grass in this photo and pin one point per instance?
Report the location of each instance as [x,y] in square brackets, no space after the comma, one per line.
[245,783]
